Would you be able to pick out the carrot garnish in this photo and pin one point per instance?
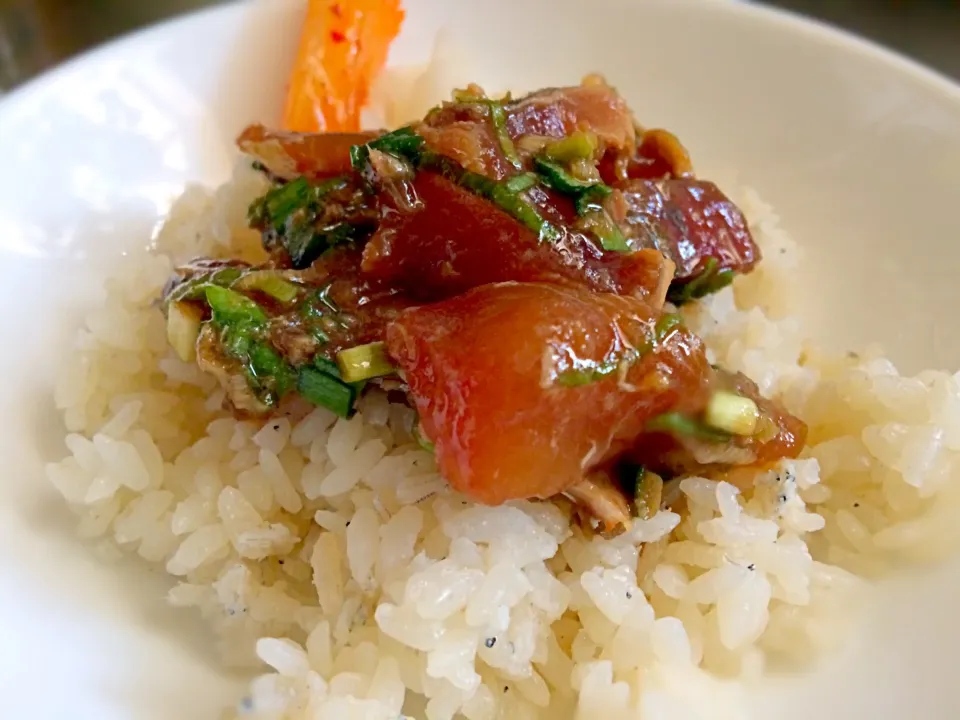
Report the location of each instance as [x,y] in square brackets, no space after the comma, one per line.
[343,47]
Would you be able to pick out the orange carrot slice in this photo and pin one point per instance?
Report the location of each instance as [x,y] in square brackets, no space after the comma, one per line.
[343,47]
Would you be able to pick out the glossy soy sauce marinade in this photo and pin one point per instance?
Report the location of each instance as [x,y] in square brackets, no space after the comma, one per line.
[514,266]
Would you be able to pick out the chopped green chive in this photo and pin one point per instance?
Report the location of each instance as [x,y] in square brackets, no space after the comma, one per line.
[678,424]
[422,440]
[195,287]
[292,211]
[230,307]
[591,199]
[647,494]
[403,143]
[364,362]
[525,212]
[520,183]
[326,365]
[560,180]
[665,325]
[586,193]
[305,243]
[708,281]
[498,118]
[280,203]
[270,283]
[269,370]
[590,372]
[576,146]
[325,390]
[605,230]
[732,413]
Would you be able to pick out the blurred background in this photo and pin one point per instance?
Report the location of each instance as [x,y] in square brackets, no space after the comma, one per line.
[36,34]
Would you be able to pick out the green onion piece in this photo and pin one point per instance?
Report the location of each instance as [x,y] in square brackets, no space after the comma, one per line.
[665,325]
[591,199]
[230,307]
[195,287]
[280,203]
[237,340]
[364,362]
[268,282]
[359,155]
[523,211]
[710,280]
[587,197]
[498,118]
[662,329]
[270,371]
[613,240]
[291,211]
[578,377]
[647,494]
[183,329]
[576,146]
[403,143]
[324,390]
[595,371]
[606,231]
[521,182]
[305,243]
[422,440]
[732,413]
[328,366]
[560,180]
[678,424]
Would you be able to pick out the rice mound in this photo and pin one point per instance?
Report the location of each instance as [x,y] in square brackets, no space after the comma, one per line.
[332,551]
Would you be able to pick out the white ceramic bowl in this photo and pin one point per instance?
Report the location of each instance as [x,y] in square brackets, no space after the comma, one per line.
[857,148]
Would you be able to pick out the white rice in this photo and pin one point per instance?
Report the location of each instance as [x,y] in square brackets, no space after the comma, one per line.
[331,550]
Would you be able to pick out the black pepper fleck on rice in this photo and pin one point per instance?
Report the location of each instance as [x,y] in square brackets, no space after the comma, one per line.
[490,642]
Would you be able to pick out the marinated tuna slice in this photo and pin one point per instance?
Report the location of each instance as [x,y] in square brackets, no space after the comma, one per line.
[497,137]
[737,427]
[659,155]
[289,155]
[453,239]
[560,112]
[524,388]
[693,224]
